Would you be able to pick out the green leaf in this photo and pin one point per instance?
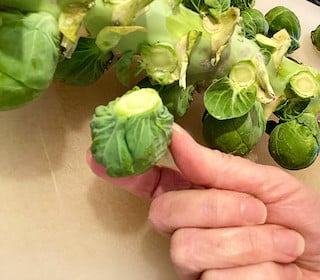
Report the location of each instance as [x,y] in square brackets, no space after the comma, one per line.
[123,67]
[225,102]
[86,65]
[291,108]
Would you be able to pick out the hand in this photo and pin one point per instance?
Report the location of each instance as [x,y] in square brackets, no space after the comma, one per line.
[228,217]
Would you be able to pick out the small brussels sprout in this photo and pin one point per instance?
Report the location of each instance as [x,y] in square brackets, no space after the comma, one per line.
[86,65]
[253,22]
[131,133]
[315,37]
[295,144]
[176,98]
[281,17]
[29,52]
[238,135]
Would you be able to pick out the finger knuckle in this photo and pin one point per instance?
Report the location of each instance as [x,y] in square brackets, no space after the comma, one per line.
[181,248]
[211,207]
[157,213]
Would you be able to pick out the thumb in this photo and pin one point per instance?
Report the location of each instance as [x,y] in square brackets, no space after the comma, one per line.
[289,202]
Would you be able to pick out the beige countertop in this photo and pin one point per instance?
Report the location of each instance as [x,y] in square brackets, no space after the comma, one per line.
[59,221]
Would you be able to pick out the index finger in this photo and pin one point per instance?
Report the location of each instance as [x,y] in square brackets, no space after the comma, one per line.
[157,180]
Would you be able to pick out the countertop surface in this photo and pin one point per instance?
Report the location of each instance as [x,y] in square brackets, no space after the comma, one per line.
[59,221]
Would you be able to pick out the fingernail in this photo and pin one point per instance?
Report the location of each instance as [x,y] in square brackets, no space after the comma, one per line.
[288,242]
[253,211]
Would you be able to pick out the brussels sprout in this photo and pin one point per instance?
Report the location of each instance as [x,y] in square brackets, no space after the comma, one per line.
[281,17]
[253,22]
[31,5]
[238,135]
[315,37]
[295,144]
[243,4]
[86,65]
[131,133]
[29,52]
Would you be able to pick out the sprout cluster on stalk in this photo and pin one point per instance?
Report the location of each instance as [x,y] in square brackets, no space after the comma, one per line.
[233,54]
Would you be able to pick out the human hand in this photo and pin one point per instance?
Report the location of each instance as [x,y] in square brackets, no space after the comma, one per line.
[228,217]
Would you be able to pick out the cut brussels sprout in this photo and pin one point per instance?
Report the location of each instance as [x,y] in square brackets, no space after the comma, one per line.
[304,85]
[131,133]
[295,144]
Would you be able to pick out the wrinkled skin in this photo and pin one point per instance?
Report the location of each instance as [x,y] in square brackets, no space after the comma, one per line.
[229,218]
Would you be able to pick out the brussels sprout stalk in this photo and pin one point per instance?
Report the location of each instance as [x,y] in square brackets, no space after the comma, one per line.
[140,102]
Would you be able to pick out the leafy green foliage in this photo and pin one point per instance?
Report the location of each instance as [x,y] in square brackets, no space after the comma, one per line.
[87,64]
[226,48]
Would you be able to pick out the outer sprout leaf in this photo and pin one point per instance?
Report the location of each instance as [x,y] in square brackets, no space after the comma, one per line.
[291,108]
[253,22]
[123,67]
[227,98]
[86,65]
[176,99]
